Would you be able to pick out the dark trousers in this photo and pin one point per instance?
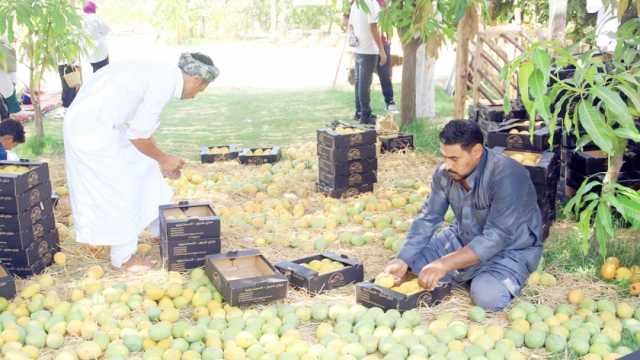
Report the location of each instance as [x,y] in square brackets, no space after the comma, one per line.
[100,64]
[68,93]
[384,74]
[365,66]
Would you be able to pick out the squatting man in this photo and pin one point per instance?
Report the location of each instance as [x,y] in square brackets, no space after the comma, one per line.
[495,241]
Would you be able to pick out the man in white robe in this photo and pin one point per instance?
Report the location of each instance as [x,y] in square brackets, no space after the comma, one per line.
[114,169]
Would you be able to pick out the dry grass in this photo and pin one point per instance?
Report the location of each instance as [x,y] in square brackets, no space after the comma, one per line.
[374,256]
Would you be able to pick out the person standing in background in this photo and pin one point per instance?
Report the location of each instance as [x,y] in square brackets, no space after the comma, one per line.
[8,66]
[68,92]
[98,31]
[369,53]
[384,71]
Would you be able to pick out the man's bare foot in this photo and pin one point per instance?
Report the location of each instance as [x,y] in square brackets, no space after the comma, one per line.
[137,264]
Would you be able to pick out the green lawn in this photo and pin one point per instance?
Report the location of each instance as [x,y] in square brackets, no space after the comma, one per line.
[248,118]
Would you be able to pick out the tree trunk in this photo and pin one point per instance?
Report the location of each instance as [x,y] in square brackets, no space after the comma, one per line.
[462,65]
[425,85]
[34,86]
[408,88]
[557,19]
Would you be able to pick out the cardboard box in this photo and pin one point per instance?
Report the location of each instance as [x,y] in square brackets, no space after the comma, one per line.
[28,271]
[16,222]
[26,235]
[184,263]
[595,161]
[34,253]
[12,184]
[331,139]
[540,142]
[347,167]
[347,154]
[245,277]
[399,142]
[7,284]
[302,277]
[630,179]
[371,295]
[188,221]
[14,204]
[346,181]
[206,157]
[491,113]
[189,231]
[271,155]
[546,168]
[189,254]
[343,192]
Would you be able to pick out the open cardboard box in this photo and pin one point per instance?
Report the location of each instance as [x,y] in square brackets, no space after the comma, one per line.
[543,167]
[332,139]
[13,184]
[189,231]
[208,156]
[269,155]
[314,282]
[371,295]
[245,277]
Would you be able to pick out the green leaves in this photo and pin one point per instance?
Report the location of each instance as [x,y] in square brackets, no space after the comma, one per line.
[592,121]
[614,105]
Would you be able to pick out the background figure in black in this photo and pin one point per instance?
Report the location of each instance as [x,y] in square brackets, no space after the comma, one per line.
[68,93]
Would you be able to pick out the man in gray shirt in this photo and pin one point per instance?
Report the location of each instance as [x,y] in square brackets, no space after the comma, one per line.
[496,240]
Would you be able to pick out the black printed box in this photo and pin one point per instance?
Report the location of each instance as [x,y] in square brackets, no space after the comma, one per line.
[346,181]
[189,254]
[17,177]
[543,167]
[211,154]
[259,156]
[348,167]
[596,161]
[245,277]
[13,204]
[396,143]
[15,222]
[515,135]
[347,154]
[26,235]
[371,295]
[188,221]
[345,136]
[323,272]
[34,253]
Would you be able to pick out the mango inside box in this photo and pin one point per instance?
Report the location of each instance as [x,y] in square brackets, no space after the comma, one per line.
[219,150]
[244,268]
[324,266]
[192,212]
[260,151]
[13,169]
[524,158]
[523,127]
[596,153]
[345,130]
[408,287]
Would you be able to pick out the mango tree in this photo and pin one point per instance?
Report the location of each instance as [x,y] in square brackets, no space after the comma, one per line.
[601,105]
[47,32]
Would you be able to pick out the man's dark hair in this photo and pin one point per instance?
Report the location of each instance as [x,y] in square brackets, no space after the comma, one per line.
[202,58]
[461,132]
[13,128]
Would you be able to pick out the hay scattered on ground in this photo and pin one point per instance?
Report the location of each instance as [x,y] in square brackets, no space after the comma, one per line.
[391,168]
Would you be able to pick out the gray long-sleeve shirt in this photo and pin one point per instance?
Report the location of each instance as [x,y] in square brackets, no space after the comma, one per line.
[498,218]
